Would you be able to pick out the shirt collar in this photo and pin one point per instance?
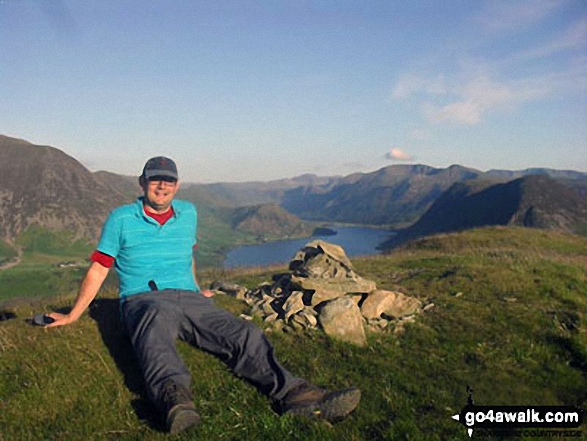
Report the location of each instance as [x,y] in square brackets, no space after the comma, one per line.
[139,203]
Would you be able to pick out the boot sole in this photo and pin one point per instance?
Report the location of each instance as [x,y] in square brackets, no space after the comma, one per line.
[334,406]
[180,418]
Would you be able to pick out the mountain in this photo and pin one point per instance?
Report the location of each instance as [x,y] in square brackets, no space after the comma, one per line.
[41,185]
[531,201]
[269,220]
[509,175]
[397,194]
[256,193]
[126,185]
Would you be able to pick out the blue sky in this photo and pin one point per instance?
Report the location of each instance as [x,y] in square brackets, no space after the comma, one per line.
[260,90]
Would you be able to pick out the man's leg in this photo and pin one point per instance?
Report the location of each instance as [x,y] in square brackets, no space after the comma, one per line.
[239,343]
[246,350]
[152,321]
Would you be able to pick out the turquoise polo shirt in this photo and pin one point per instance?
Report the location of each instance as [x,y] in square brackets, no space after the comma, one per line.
[146,251]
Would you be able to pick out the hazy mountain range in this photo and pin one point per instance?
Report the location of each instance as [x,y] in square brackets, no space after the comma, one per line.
[41,185]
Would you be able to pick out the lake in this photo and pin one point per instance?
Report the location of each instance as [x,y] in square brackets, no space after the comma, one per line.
[356,241]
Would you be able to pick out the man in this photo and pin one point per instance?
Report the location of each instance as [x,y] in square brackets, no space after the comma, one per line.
[150,243]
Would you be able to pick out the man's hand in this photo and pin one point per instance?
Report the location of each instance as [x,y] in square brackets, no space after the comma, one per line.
[207,293]
[60,319]
[88,290]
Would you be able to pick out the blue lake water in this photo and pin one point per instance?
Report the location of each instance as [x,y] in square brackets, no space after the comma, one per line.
[356,241]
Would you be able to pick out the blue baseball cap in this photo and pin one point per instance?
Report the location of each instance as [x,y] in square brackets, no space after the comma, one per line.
[160,166]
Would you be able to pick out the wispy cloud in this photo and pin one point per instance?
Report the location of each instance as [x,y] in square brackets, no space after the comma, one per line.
[485,85]
[481,95]
[510,17]
[574,37]
[414,84]
[397,154]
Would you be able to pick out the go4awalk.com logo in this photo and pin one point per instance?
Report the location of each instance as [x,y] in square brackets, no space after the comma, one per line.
[547,421]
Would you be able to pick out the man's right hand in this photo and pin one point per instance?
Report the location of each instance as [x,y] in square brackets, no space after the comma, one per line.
[88,290]
[60,319]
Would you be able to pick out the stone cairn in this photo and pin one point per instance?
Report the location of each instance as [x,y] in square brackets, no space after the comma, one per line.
[322,290]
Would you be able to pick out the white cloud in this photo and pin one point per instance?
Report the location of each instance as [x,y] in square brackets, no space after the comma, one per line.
[397,154]
[481,95]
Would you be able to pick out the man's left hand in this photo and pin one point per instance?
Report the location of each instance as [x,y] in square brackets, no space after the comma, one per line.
[207,293]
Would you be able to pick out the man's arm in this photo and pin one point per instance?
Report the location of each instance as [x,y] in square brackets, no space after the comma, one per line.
[206,292]
[87,292]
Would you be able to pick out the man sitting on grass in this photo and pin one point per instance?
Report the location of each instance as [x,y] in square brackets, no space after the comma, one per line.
[150,243]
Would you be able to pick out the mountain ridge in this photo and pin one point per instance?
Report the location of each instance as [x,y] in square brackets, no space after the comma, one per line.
[397,194]
[42,185]
[537,201]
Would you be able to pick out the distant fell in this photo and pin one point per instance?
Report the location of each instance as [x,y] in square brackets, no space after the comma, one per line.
[531,201]
[269,220]
[261,192]
[126,185]
[553,173]
[397,194]
[43,186]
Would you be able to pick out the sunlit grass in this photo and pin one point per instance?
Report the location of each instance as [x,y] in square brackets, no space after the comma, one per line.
[508,320]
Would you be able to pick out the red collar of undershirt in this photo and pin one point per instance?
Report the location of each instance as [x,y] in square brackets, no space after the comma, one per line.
[160,218]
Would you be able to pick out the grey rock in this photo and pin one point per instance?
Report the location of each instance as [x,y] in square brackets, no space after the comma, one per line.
[322,276]
[271,318]
[376,303]
[323,295]
[358,284]
[403,305]
[321,259]
[293,304]
[231,289]
[341,319]
[267,309]
[309,319]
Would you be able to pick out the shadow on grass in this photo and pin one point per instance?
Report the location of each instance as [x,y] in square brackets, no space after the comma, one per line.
[7,315]
[106,313]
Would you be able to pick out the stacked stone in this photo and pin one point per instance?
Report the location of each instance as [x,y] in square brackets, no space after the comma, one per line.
[322,290]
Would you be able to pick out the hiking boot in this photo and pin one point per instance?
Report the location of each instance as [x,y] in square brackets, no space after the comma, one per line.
[181,412]
[314,402]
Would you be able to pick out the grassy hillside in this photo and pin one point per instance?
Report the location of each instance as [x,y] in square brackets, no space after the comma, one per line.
[39,273]
[7,252]
[509,321]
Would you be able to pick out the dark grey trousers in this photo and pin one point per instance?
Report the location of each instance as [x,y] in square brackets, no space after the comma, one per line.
[154,321]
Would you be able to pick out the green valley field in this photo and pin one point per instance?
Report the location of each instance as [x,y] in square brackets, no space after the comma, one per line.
[509,320]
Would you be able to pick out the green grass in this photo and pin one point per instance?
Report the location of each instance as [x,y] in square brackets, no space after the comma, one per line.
[38,274]
[509,321]
[7,252]
[37,240]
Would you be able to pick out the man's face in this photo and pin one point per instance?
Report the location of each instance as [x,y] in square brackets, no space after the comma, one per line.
[159,191]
